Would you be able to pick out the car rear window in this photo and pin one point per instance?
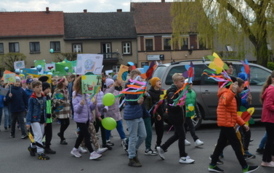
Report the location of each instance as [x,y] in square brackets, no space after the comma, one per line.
[159,71]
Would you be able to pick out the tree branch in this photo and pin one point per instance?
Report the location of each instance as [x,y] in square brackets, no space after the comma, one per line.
[240,18]
[252,4]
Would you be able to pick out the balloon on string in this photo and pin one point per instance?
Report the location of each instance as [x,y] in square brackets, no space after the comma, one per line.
[109,123]
[108,99]
[39,68]
[51,50]
[66,69]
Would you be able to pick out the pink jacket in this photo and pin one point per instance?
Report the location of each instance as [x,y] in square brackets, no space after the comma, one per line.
[113,110]
[268,105]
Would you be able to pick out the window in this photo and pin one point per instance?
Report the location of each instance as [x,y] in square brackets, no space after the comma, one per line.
[126,48]
[1,48]
[106,49]
[14,47]
[77,48]
[167,45]
[149,44]
[184,44]
[55,45]
[34,47]
[258,76]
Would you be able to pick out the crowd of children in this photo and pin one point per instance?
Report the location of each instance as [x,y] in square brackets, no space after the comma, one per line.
[41,103]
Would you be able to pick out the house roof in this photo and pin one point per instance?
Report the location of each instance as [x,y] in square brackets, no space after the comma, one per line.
[28,24]
[152,17]
[87,25]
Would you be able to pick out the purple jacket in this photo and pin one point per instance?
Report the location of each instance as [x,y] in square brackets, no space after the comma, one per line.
[113,110]
[82,113]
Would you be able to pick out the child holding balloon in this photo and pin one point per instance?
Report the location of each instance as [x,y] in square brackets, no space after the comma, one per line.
[113,110]
[82,116]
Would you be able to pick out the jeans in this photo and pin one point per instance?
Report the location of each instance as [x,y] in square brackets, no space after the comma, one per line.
[7,119]
[48,135]
[97,125]
[179,134]
[38,132]
[63,127]
[137,135]
[228,134]
[120,130]
[1,113]
[263,141]
[269,147]
[147,121]
[191,128]
[18,116]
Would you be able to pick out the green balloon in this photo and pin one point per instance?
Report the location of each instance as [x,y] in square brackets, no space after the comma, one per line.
[109,123]
[108,99]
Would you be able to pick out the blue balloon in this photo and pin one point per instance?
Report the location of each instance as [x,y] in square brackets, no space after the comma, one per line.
[39,68]
[17,70]
[66,69]
[51,50]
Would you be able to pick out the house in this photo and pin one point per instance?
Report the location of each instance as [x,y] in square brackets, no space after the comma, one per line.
[32,33]
[153,22]
[111,34]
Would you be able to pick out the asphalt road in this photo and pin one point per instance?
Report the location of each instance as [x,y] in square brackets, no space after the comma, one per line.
[14,157]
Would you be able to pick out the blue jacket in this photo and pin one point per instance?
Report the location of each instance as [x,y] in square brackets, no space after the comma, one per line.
[18,101]
[28,92]
[132,109]
[2,101]
[34,110]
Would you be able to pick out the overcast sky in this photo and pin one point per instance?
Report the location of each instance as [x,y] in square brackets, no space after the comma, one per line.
[69,5]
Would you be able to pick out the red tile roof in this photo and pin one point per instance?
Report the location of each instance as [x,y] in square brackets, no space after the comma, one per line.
[21,24]
[152,17]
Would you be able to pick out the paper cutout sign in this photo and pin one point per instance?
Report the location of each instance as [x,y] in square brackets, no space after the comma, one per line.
[89,63]
[9,78]
[50,67]
[123,72]
[91,84]
[19,64]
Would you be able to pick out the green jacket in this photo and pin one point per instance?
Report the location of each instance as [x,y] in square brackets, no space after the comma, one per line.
[190,103]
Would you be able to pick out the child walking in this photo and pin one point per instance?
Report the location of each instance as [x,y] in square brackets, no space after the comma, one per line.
[36,117]
[190,104]
[62,108]
[82,116]
[176,118]
[226,119]
[113,111]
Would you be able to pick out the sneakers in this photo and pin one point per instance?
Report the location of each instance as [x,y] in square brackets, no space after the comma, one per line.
[214,169]
[24,136]
[260,150]
[268,164]
[250,169]
[42,156]
[108,147]
[109,143]
[94,155]
[82,150]
[101,150]
[49,151]
[198,143]
[75,153]
[32,151]
[248,155]
[187,143]
[63,142]
[219,162]
[134,162]
[186,160]
[161,152]
[150,152]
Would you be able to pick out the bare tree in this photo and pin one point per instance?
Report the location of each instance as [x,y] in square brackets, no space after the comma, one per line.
[7,60]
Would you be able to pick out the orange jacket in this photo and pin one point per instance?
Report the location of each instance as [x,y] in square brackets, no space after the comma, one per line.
[227,109]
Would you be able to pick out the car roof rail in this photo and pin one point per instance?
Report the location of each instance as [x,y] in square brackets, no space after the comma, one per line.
[178,62]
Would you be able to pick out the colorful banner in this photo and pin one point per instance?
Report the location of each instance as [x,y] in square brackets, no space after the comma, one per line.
[19,64]
[9,78]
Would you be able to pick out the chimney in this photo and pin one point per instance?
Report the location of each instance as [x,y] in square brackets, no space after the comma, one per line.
[85,10]
[163,1]
[47,9]
[119,10]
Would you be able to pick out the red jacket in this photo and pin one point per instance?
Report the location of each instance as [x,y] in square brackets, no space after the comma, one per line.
[227,109]
[268,105]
